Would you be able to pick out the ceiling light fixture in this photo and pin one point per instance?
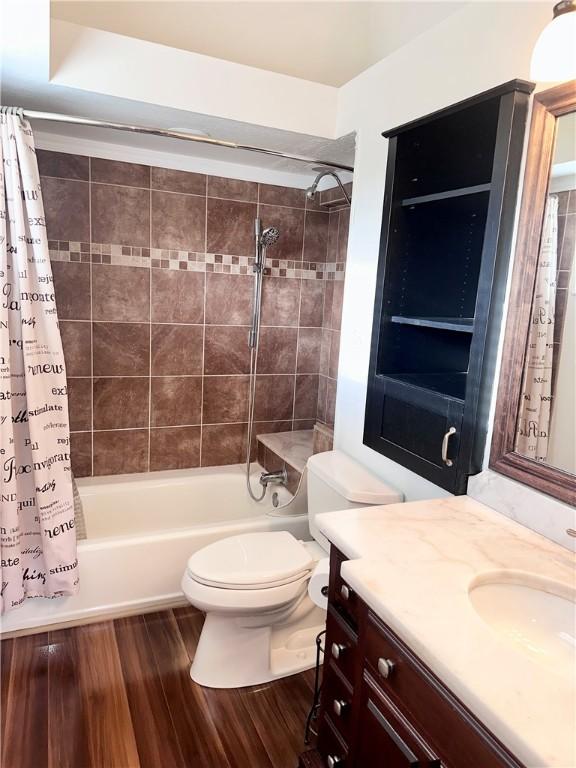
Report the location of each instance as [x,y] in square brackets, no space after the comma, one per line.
[554,55]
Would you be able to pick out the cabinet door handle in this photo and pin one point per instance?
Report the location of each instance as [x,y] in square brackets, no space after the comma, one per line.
[337,650]
[411,760]
[345,592]
[339,706]
[385,667]
[445,440]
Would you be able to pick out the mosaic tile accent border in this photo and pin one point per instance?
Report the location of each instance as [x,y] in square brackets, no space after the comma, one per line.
[132,256]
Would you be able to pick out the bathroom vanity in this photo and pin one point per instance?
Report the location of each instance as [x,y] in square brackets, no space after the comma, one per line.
[426,665]
[380,702]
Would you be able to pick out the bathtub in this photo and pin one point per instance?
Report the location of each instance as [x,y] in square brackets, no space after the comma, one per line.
[141,530]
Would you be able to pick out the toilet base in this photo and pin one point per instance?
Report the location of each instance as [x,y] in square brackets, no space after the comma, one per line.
[233,654]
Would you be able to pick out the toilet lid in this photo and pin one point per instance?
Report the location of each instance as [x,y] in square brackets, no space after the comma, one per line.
[251,560]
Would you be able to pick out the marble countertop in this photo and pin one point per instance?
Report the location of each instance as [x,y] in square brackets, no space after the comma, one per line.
[413,564]
[294,447]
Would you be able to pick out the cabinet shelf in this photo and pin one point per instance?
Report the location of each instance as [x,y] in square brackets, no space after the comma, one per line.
[460,324]
[449,193]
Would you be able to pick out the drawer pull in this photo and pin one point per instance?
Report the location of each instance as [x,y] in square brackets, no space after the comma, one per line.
[385,667]
[334,761]
[446,438]
[345,592]
[339,706]
[410,758]
[337,650]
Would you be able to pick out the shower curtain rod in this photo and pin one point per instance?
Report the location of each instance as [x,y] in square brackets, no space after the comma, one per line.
[34,115]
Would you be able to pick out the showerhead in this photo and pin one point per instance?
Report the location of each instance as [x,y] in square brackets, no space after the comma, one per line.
[269,236]
[311,191]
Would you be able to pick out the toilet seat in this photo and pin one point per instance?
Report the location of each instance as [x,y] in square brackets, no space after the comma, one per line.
[251,561]
[241,601]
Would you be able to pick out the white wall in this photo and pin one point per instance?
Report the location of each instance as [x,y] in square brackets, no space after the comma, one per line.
[479,47]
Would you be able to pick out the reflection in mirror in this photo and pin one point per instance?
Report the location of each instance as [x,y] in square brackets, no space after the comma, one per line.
[546,427]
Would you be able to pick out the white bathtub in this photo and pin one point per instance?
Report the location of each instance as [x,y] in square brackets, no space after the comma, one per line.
[142,529]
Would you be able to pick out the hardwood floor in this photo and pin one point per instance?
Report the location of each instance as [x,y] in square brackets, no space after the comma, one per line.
[118,694]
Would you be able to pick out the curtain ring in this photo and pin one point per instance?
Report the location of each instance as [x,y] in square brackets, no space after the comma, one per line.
[16,111]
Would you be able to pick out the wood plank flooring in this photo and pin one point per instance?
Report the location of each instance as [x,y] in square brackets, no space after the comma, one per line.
[118,694]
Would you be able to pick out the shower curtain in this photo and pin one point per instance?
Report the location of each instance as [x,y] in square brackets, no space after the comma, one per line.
[37,536]
[536,397]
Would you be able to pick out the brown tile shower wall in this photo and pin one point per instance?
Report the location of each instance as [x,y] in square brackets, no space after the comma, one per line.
[153,283]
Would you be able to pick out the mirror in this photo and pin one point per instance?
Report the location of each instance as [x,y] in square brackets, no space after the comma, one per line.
[546,428]
[534,438]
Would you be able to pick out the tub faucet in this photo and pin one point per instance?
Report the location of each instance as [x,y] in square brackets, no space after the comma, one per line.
[274,478]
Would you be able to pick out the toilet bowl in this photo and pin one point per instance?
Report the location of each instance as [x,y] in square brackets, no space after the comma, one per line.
[260,621]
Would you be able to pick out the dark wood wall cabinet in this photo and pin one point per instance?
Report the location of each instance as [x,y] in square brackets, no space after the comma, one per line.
[451,188]
[381,707]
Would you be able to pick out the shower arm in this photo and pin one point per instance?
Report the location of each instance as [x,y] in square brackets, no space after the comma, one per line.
[311,191]
[339,180]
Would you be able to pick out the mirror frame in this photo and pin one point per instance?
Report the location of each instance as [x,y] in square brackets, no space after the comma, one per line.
[547,107]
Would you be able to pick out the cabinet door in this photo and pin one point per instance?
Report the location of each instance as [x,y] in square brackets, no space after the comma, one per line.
[331,747]
[385,738]
[411,425]
[341,646]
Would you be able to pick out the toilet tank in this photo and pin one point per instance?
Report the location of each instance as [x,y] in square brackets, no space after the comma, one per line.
[335,481]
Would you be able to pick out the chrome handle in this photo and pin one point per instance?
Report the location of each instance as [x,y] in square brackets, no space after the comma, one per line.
[339,706]
[345,592]
[446,438]
[385,667]
[571,532]
[333,761]
[337,650]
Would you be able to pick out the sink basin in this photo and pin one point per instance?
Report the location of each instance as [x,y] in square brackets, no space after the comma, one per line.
[535,614]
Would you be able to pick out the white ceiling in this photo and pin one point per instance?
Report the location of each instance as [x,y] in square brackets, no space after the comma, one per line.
[326,42]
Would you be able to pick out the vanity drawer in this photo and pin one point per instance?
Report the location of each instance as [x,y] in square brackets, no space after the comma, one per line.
[337,700]
[384,731]
[442,719]
[341,595]
[341,646]
[333,750]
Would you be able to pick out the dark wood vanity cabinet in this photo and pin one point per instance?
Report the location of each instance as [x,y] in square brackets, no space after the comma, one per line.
[451,187]
[381,707]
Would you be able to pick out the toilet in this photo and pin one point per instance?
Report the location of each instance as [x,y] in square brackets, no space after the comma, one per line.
[260,621]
